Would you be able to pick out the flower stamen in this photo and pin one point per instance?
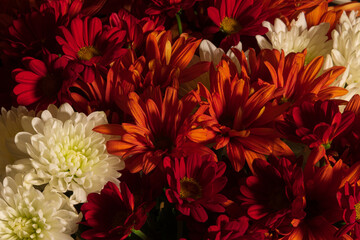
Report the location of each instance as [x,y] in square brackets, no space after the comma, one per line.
[87,53]
[190,188]
[230,25]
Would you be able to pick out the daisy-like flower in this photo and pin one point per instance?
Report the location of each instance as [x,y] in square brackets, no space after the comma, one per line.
[161,124]
[235,117]
[89,43]
[44,82]
[345,52]
[349,200]
[112,215]
[136,30]
[66,154]
[294,81]
[195,184]
[315,124]
[27,213]
[322,208]
[10,125]
[297,38]
[235,18]
[275,194]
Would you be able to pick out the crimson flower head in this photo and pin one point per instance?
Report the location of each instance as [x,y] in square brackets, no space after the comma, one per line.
[45,82]
[349,200]
[30,33]
[315,124]
[228,229]
[136,30]
[170,7]
[322,208]
[194,185]
[89,43]
[111,214]
[275,195]
[236,18]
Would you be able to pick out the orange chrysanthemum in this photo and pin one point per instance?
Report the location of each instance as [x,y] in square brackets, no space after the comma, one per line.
[160,128]
[236,117]
[294,80]
[168,62]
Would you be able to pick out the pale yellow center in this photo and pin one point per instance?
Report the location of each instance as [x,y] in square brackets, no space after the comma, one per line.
[87,53]
[189,188]
[229,25]
[357,210]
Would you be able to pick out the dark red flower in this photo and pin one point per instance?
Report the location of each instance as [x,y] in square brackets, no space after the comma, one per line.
[347,145]
[136,30]
[236,18]
[44,82]
[322,208]
[62,10]
[89,43]
[228,229]
[30,33]
[275,195]
[349,200]
[170,7]
[111,214]
[315,124]
[194,185]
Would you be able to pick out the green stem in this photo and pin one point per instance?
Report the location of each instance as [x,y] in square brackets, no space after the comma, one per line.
[140,234]
[178,20]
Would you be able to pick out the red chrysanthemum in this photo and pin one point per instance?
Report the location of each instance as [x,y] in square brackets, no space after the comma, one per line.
[315,124]
[228,229]
[275,195]
[347,145]
[160,128]
[237,117]
[169,7]
[349,200]
[236,18]
[44,82]
[30,33]
[91,44]
[111,215]
[62,10]
[322,208]
[137,30]
[194,185]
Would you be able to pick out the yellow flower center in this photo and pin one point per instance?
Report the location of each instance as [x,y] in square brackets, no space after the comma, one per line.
[357,210]
[189,188]
[87,53]
[229,25]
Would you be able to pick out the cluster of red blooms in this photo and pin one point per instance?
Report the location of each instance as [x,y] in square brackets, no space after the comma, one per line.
[264,153]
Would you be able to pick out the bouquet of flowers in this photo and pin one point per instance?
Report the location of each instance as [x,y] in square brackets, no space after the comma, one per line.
[179,119]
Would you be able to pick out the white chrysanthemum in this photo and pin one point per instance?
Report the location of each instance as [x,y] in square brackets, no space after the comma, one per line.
[297,38]
[28,214]
[210,53]
[10,125]
[346,52]
[66,154]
